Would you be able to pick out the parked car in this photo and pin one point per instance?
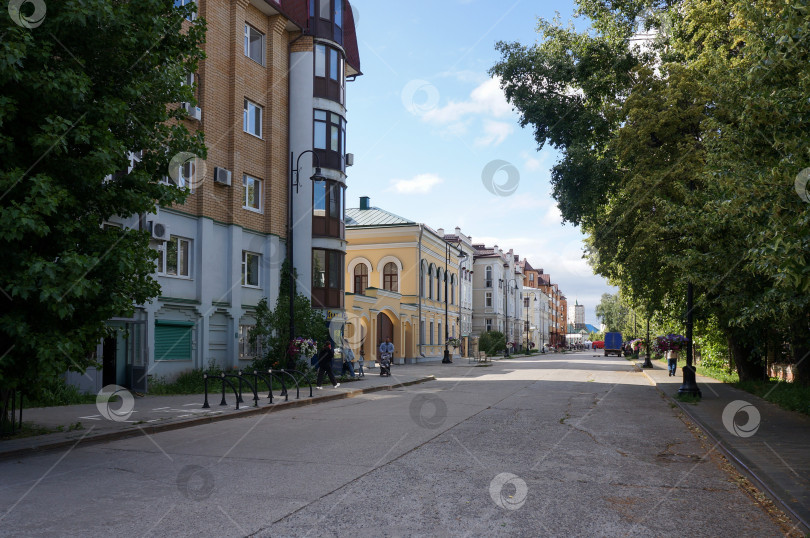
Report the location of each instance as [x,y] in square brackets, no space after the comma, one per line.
[613,344]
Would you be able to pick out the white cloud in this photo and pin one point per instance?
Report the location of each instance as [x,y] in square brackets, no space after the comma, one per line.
[419,184]
[494,133]
[487,99]
[532,164]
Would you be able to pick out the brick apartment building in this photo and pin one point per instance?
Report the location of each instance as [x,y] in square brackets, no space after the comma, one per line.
[270,94]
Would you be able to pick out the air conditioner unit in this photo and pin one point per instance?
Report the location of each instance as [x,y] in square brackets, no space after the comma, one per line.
[194,112]
[160,232]
[350,159]
[222,176]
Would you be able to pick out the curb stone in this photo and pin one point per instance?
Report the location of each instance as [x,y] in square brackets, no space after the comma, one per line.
[88,439]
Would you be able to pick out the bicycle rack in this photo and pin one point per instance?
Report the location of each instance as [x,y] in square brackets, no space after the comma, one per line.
[304,377]
[252,387]
[5,408]
[284,387]
[223,377]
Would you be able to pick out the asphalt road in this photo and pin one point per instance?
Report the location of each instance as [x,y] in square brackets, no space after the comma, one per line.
[555,446]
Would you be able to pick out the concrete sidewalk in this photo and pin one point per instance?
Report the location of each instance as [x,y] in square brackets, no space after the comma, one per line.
[133,416]
[769,443]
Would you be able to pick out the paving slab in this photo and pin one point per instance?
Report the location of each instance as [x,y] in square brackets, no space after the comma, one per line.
[769,443]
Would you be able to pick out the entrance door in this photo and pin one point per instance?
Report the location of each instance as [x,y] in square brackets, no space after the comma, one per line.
[385,329]
[108,362]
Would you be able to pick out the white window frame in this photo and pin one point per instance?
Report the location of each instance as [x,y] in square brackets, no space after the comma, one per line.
[488,299]
[489,324]
[256,182]
[247,113]
[181,3]
[246,351]
[248,30]
[245,283]
[162,258]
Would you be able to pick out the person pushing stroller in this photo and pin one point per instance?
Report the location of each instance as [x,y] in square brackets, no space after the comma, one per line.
[386,356]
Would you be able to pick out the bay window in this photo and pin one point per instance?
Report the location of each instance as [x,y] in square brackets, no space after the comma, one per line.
[327,278]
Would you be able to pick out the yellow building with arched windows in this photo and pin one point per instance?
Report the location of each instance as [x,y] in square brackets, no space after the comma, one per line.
[401,282]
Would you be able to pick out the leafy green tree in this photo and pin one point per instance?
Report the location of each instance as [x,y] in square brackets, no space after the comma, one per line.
[492,342]
[94,82]
[678,158]
[272,327]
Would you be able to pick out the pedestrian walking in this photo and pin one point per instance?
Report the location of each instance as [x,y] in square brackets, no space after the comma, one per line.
[672,362]
[387,347]
[360,360]
[325,356]
[348,359]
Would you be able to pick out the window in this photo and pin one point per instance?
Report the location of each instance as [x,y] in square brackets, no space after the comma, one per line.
[488,299]
[360,278]
[438,285]
[173,257]
[431,333]
[525,302]
[452,289]
[531,277]
[328,208]
[250,269]
[489,325]
[430,283]
[253,193]
[329,139]
[252,119]
[254,44]
[325,11]
[248,351]
[327,278]
[181,3]
[173,340]
[390,277]
[439,333]
[422,332]
[488,278]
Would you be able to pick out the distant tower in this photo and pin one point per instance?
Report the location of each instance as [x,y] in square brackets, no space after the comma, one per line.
[579,315]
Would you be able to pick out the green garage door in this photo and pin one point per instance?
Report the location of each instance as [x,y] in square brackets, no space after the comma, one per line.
[173,340]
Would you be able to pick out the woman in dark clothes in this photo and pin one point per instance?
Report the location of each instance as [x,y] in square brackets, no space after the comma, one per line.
[325,356]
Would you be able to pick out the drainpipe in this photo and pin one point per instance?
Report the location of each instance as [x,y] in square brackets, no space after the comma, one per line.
[418,287]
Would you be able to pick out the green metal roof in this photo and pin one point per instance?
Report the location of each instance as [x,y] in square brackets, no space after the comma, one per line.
[356,218]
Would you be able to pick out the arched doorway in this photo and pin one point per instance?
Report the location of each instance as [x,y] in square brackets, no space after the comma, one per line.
[385,329]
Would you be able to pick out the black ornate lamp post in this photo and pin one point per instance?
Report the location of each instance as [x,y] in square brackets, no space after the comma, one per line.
[689,385]
[461,256]
[294,182]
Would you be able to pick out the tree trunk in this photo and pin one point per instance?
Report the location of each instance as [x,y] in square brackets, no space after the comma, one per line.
[800,334]
[750,367]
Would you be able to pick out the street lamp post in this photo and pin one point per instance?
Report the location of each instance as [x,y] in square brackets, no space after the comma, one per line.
[506,311]
[461,256]
[689,380]
[294,182]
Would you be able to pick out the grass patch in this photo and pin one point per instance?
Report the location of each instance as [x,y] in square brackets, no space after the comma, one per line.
[786,395]
[687,398]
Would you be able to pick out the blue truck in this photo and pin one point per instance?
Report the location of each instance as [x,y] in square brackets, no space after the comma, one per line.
[613,344]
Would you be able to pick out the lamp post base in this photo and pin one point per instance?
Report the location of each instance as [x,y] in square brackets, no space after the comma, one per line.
[446,358]
[689,386]
[647,363]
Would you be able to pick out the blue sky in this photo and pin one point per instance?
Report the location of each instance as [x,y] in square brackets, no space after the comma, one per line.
[425,121]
